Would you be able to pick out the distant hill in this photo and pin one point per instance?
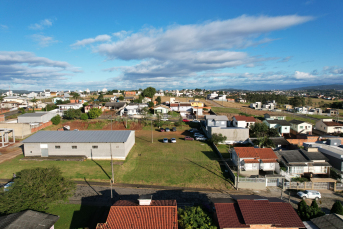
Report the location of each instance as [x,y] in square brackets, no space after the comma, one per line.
[17,91]
[321,87]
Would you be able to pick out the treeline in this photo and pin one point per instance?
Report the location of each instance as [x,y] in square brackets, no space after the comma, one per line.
[256,97]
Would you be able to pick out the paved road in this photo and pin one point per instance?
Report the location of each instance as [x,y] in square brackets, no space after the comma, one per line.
[213,104]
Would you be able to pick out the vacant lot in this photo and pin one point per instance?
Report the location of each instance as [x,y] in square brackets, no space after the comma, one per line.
[184,163]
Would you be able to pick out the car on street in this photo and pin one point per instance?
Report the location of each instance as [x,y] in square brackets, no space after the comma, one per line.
[167,130]
[198,134]
[173,140]
[185,120]
[165,140]
[189,138]
[201,138]
[195,120]
[309,194]
[162,130]
[174,128]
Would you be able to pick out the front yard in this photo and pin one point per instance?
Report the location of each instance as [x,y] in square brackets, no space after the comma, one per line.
[184,163]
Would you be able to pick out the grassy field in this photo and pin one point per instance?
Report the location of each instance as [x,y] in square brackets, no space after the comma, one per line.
[185,163]
[291,117]
[225,110]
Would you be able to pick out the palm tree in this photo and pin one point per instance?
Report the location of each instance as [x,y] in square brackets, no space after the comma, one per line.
[92,99]
[34,101]
[76,96]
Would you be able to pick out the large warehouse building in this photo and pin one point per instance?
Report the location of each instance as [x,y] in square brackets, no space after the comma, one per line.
[92,144]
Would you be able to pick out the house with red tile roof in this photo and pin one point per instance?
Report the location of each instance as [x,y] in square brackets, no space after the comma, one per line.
[243,121]
[252,160]
[256,214]
[144,214]
[329,126]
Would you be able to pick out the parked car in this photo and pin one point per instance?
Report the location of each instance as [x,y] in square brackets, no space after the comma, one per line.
[192,130]
[201,138]
[8,185]
[167,129]
[189,138]
[173,140]
[195,120]
[185,120]
[164,119]
[165,140]
[174,128]
[162,130]
[309,194]
[198,135]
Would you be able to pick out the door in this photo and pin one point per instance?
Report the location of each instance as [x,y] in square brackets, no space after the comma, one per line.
[44,150]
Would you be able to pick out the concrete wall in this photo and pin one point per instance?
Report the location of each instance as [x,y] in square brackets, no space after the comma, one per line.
[20,129]
[252,185]
[119,150]
[232,134]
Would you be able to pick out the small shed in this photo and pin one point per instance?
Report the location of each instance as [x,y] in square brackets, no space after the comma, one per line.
[38,117]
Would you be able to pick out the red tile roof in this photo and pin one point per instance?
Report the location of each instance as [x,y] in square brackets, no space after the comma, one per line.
[257,153]
[257,212]
[333,124]
[174,105]
[245,118]
[269,160]
[251,161]
[128,214]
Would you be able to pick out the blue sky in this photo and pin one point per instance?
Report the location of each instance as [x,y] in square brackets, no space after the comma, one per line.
[170,45]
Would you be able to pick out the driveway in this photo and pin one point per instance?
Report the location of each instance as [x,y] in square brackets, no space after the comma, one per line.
[11,152]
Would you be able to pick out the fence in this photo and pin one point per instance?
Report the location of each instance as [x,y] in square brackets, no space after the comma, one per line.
[252,180]
[315,185]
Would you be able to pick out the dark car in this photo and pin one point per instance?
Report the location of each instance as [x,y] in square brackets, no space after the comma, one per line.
[189,138]
[162,130]
[174,128]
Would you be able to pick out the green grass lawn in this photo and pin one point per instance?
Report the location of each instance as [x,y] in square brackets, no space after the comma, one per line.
[223,149]
[98,125]
[289,118]
[320,116]
[73,215]
[225,110]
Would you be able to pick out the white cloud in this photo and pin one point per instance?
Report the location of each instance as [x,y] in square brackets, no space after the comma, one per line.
[333,70]
[121,34]
[303,75]
[84,42]
[42,40]
[41,25]
[3,27]
[286,59]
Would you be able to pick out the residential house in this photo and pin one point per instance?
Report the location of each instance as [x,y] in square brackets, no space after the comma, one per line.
[256,105]
[135,108]
[161,109]
[332,220]
[129,98]
[28,219]
[243,121]
[240,100]
[300,127]
[64,107]
[334,112]
[301,162]
[220,98]
[129,93]
[252,160]
[257,213]
[159,94]
[303,110]
[115,106]
[146,100]
[196,103]
[144,213]
[110,97]
[233,134]
[88,107]
[183,108]
[197,110]
[282,126]
[37,117]
[279,143]
[212,96]
[216,120]
[100,144]
[316,111]
[329,126]
[231,100]
[287,106]
[272,117]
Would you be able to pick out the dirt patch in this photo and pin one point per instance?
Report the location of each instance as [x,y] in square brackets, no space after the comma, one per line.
[121,126]
[11,147]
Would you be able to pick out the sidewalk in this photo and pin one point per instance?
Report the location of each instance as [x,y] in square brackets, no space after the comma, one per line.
[11,155]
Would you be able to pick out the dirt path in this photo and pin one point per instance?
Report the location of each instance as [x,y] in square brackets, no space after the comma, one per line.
[12,154]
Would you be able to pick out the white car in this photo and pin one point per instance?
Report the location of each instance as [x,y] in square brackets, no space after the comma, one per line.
[198,135]
[173,140]
[165,140]
[7,186]
[195,120]
[309,194]
[200,138]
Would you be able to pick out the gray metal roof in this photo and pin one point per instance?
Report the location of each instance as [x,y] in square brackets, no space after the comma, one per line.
[28,219]
[217,117]
[280,122]
[38,114]
[101,136]
[297,122]
[292,156]
[332,221]
[314,155]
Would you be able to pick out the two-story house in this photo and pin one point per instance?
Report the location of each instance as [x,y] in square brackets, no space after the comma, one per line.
[329,126]
[243,121]
[300,127]
[216,120]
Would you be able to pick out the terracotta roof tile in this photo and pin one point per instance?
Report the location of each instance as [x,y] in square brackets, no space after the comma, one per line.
[287,215]
[250,152]
[251,161]
[160,214]
[245,118]
[269,160]
[258,212]
[333,124]
[229,215]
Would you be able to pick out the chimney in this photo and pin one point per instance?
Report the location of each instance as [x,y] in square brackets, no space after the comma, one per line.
[145,200]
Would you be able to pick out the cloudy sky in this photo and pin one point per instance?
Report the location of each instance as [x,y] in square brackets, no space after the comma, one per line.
[181,44]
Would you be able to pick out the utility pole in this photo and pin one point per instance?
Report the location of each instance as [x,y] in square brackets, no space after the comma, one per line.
[152,138]
[238,169]
[112,172]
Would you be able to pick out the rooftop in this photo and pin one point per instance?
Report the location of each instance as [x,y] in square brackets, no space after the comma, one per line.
[280,122]
[297,122]
[251,152]
[333,124]
[331,221]
[245,118]
[217,117]
[38,114]
[101,136]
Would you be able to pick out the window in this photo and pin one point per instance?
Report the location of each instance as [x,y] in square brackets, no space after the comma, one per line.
[74,147]
[57,147]
[301,127]
[94,147]
[30,151]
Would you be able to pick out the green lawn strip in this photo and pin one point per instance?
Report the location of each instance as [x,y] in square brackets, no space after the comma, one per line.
[225,110]
[72,215]
[289,118]
[80,170]
[223,149]
[320,116]
[186,163]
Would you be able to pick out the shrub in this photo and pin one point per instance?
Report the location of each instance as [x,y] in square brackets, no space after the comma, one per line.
[56,120]
[94,113]
[337,208]
[84,117]
[217,138]
[72,114]
[309,212]
[195,217]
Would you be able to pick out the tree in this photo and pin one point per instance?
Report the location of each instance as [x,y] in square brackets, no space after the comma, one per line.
[314,205]
[75,96]
[265,142]
[158,100]
[56,120]
[35,189]
[34,101]
[195,217]
[121,97]
[309,101]
[272,132]
[149,92]
[150,104]
[258,130]
[337,208]
[84,116]
[217,138]
[94,113]
[309,212]
[72,114]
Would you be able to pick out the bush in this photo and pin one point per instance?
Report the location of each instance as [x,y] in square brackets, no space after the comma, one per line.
[299,179]
[195,217]
[72,114]
[56,120]
[217,138]
[94,113]
[309,212]
[84,117]
[337,208]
